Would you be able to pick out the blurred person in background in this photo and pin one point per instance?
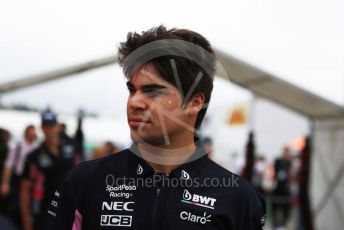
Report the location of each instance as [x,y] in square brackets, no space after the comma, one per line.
[247,171]
[207,144]
[281,203]
[73,145]
[64,138]
[239,162]
[294,181]
[79,139]
[66,142]
[259,170]
[110,147]
[13,170]
[104,150]
[44,169]
[5,137]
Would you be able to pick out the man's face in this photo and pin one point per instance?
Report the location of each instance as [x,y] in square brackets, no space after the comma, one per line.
[31,135]
[50,131]
[154,110]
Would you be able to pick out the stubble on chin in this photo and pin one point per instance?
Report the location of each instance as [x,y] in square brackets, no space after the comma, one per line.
[145,138]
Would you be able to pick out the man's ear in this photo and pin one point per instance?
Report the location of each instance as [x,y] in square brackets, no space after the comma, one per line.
[196,103]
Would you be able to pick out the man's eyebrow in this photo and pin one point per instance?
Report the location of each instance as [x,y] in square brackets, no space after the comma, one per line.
[146,87]
[152,87]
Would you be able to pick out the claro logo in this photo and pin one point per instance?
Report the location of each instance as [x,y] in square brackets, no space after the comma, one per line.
[118,206]
[188,216]
[194,199]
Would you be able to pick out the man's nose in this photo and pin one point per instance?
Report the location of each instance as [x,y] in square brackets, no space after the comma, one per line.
[137,101]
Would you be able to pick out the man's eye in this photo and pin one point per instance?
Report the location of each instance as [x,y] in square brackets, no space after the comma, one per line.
[131,90]
[153,93]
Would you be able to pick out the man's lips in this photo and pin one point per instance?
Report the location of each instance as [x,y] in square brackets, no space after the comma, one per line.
[136,121]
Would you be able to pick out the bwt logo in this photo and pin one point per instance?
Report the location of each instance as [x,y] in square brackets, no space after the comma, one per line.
[115,220]
[118,206]
[203,201]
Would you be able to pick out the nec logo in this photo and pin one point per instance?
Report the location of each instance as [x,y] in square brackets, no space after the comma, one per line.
[115,220]
[203,201]
[118,206]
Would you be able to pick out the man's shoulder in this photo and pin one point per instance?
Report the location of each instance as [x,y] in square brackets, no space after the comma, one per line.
[33,155]
[233,185]
[236,193]
[213,169]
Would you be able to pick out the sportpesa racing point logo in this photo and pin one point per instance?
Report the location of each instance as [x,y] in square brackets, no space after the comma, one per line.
[171,48]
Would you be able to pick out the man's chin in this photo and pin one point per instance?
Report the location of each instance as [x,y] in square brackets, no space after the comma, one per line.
[143,139]
[136,138]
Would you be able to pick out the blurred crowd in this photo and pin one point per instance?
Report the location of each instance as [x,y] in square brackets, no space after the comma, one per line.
[279,182]
[32,168]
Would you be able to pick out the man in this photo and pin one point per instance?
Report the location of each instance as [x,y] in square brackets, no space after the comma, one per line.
[106,149]
[281,207]
[44,170]
[14,167]
[164,180]
[66,142]
[5,137]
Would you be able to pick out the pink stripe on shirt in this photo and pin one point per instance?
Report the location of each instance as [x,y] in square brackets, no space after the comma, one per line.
[77,225]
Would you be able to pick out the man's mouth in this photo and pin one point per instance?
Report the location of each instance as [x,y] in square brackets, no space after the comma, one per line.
[137,121]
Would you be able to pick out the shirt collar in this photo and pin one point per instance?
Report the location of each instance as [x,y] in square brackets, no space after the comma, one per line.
[137,165]
[186,171]
[44,148]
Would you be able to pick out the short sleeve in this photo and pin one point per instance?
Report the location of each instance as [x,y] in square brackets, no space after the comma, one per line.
[65,210]
[60,214]
[250,208]
[10,156]
[256,212]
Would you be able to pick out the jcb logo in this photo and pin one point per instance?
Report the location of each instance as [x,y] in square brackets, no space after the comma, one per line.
[115,220]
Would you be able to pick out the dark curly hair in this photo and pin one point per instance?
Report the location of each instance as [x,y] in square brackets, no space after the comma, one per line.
[195,58]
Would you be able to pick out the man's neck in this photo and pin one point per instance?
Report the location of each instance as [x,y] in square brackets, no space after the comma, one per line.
[53,147]
[165,160]
[29,141]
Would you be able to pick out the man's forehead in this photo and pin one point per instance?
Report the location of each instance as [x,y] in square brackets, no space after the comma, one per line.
[148,75]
